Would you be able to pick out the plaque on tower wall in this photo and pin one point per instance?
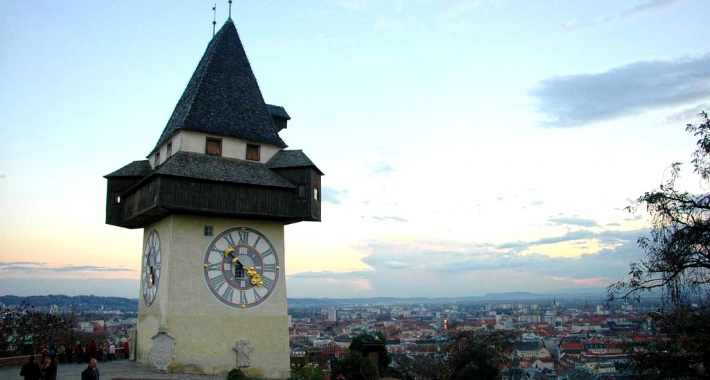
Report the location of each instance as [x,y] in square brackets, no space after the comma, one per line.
[162,352]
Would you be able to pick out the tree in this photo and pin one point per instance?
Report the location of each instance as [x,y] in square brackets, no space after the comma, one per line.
[366,344]
[677,265]
[25,329]
[354,366]
[469,355]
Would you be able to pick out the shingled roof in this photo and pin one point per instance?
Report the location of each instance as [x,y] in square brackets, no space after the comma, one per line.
[218,168]
[134,169]
[223,96]
[290,159]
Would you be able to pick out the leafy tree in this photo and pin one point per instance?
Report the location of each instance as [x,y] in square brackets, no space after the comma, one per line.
[354,366]
[367,343]
[25,329]
[677,265]
[310,371]
[470,355]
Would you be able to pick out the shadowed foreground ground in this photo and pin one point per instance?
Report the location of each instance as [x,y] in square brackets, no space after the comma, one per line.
[119,369]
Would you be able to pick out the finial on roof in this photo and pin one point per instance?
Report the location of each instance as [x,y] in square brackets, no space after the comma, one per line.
[214,19]
[230,9]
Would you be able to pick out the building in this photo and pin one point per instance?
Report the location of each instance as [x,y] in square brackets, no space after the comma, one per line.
[213,197]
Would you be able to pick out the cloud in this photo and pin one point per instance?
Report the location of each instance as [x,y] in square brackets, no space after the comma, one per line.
[441,268]
[575,100]
[33,267]
[333,195]
[383,168]
[687,115]
[388,218]
[574,221]
[650,5]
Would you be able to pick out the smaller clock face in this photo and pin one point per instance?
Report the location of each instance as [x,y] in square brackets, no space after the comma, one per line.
[151,267]
[241,267]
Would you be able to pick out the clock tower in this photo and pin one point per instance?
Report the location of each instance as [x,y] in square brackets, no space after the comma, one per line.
[213,198]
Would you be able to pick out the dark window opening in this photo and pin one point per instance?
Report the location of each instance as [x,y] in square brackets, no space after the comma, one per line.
[213,146]
[170,149]
[239,271]
[302,191]
[208,230]
[253,152]
[157,159]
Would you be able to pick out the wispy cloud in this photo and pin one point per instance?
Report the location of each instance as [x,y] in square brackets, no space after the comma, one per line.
[333,195]
[389,218]
[27,266]
[575,100]
[650,5]
[574,222]
[383,168]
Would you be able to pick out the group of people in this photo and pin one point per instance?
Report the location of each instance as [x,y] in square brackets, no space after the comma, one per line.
[48,370]
[92,353]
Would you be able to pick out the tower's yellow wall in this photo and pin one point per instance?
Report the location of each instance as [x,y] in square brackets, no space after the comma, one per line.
[205,330]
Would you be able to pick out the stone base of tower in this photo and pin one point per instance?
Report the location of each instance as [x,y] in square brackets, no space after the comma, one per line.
[213,350]
[187,330]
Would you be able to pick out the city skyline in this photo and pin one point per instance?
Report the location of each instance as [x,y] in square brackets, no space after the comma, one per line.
[469,147]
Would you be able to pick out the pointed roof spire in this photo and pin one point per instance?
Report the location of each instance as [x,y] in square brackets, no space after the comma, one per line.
[223,97]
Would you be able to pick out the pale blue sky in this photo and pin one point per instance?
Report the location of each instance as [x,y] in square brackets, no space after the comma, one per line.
[468,146]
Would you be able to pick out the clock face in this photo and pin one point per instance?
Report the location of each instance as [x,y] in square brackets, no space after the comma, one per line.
[151,267]
[241,267]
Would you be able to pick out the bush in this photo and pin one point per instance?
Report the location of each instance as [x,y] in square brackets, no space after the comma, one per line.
[236,374]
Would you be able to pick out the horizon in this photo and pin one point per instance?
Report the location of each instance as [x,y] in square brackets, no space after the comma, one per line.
[469,147]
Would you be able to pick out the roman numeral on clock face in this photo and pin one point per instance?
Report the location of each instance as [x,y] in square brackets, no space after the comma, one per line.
[243,237]
[249,272]
[230,239]
[217,281]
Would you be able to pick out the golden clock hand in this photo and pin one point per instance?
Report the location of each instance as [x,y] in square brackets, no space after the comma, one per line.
[228,251]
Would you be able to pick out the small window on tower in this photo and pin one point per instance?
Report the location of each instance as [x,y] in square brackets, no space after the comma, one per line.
[213,146]
[302,191]
[315,194]
[170,150]
[208,230]
[252,152]
[157,159]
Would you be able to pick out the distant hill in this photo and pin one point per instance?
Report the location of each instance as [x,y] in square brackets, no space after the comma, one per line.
[79,302]
[490,297]
[131,304]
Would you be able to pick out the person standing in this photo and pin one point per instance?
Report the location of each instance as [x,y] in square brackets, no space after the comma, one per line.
[111,351]
[49,370]
[79,352]
[91,349]
[91,372]
[31,370]
[70,353]
[61,353]
[126,349]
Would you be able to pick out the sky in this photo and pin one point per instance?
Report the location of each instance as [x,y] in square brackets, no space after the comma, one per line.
[469,147]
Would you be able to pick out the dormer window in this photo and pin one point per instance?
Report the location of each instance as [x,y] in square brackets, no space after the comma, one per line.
[213,146]
[253,152]
[170,149]
[156,162]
